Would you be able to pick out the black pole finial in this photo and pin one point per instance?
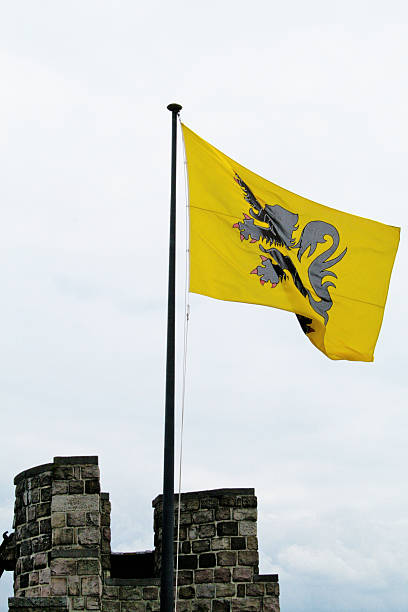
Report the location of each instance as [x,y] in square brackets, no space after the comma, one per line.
[174,107]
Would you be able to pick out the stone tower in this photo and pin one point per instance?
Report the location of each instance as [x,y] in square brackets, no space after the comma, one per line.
[61,555]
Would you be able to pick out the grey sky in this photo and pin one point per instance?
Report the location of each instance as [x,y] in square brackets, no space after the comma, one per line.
[312,96]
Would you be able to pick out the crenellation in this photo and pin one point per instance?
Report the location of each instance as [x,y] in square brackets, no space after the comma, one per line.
[64,562]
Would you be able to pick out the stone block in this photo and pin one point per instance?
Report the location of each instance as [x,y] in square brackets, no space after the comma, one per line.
[252,543]
[45,590]
[45,526]
[63,567]
[72,503]
[59,487]
[207,503]
[223,514]
[188,562]
[183,605]
[271,604]
[206,531]
[255,590]
[245,514]
[192,533]
[92,603]
[58,519]
[73,585]
[88,535]
[132,606]
[76,519]
[46,494]
[220,543]
[88,566]
[228,500]
[240,590]
[20,517]
[222,574]
[63,472]
[27,564]
[246,605]
[200,546]
[25,548]
[33,496]
[185,518]
[186,592]
[43,509]
[201,605]
[78,603]
[90,471]
[34,579]
[92,486]
[185,577]
[272,588]
[227,528]
[45,479]
[221,605]
[110,592]
[203,516]
[94,519]
[45,576]
[225,590]
[242,574]
[90,585]
[227,557]
[247,528]
[203,575]
[207,560]
[185,547]
[130,593]
[150,593]
[205,591]
[31,513]
[110,606]
[62,536]
[76,487]
[58,586]
[249,501]
[248,557]
[238,543]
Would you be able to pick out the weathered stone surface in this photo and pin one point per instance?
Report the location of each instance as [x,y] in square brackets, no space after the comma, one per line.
[72,503]
[223,514]
[203,575]
[89,471]
[58,519]
[220,543]
[203,516]
[186,592]
[225,590]
[227,528]
[206,531]
[88,566]
[246,605]
[45,576]
[252,543]
[91,585]
[247,528]
[34,579]
[63,472]
[221,605]
[222,574]
[63,567]
[59,487]
[76,487]
[130,592]
[92,603]
[76,519]
[255,590]
[201,605]
[271,604]
[185,577]
[200,546]
[150,593]
[244,514]
[183,605]
[226,557]
[110,592]
[92,486]
[110,606]
[242,574]
[206,591]
[46,494]
[272,588]
[73,585]
[78,603]
[43,509]
[62,536]
[188,562]
[133,606]
[88,535]
[58,586]
[249,501]
[93,519]
[208,503]
[248,557]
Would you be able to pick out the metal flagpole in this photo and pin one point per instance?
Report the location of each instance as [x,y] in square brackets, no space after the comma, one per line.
[167,564]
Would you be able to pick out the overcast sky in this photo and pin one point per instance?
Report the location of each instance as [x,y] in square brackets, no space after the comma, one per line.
[311,95]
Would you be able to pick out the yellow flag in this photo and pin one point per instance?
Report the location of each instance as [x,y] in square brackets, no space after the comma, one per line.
[253,241]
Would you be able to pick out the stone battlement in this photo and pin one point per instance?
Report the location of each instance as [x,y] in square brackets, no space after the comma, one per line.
[63,559]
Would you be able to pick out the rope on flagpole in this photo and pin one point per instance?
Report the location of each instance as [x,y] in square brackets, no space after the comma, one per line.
[185,346]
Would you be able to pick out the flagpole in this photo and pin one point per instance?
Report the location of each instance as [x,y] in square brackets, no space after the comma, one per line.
[167,562]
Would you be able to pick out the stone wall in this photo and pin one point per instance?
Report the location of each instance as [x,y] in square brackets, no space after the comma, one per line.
[63,558]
